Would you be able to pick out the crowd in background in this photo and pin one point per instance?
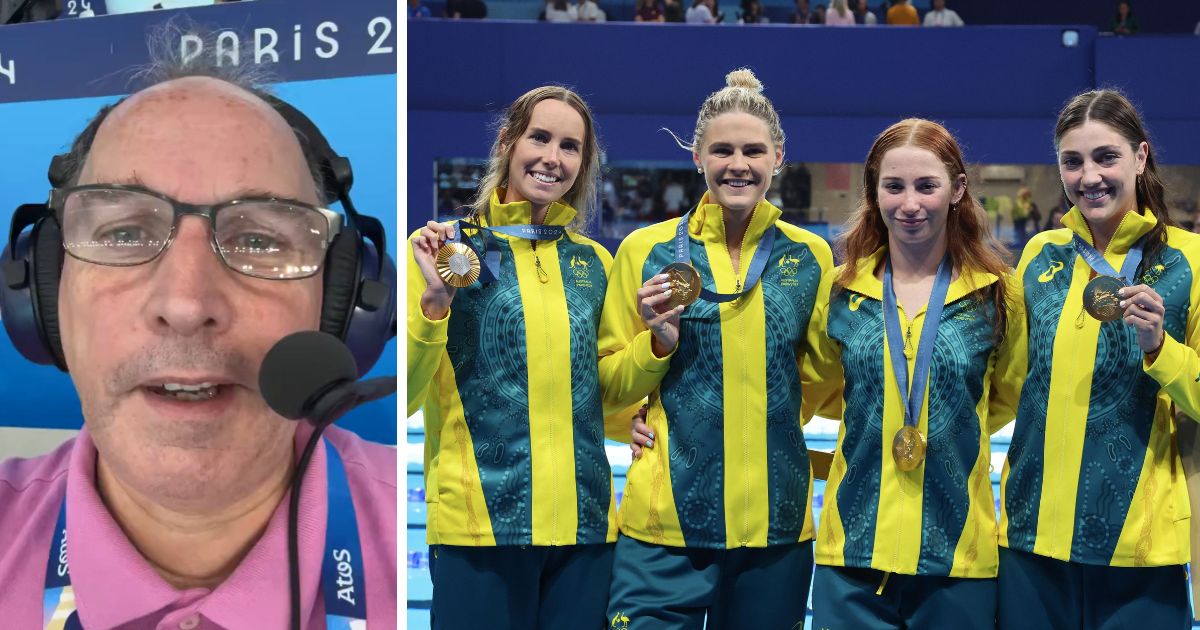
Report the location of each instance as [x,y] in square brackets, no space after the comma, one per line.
[832,13]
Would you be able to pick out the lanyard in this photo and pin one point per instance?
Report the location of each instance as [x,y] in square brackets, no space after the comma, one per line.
[343,583]
[891,319]
[491,256]
[1101,266]
[753,272]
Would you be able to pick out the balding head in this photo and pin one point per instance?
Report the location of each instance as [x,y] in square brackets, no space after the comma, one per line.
[185,317]
[200,140]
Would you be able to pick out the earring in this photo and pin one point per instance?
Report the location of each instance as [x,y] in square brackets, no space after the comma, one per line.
[700,169]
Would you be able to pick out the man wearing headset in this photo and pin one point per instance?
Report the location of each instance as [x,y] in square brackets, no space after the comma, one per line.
[194,239]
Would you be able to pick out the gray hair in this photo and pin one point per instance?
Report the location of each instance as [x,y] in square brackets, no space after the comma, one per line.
[171,59]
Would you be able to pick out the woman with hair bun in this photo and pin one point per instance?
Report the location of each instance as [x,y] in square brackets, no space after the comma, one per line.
[709,316]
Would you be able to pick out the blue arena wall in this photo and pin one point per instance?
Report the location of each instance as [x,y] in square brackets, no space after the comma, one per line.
[350,95]
[998,88]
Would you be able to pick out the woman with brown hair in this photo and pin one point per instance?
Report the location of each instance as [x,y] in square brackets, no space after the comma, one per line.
[521,516]
[1094,524]
[921,327]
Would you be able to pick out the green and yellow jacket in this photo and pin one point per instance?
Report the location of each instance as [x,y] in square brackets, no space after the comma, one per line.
[1093,474]
[938,519]
[514,431]
[729,467]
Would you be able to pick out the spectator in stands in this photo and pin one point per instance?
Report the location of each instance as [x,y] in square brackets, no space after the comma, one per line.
[752,13]
[674,198]
[466,9]
[863,14]
[589,11]
[561,11]
[803,14]
[701,12]
[417,11]
[648,11]
[902,14]
[819,14]
[1024,213]
[672,11]
[939,15]
[1124,23]
[1054,219]
[839,14]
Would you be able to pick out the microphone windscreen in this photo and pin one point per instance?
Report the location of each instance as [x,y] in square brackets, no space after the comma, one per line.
[301,366]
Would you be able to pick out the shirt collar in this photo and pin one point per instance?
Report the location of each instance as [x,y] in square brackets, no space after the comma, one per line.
[865,283]
[254,595]
[707,221]
[1132,227]
[521,212]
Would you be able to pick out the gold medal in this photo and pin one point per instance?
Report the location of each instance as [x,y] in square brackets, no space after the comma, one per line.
[458,265]
[908,448]
[1101,300]
[685,284]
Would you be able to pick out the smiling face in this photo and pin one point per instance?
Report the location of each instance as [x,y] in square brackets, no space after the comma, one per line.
[1099,170]
[546,156]
[915,192]
[738,159]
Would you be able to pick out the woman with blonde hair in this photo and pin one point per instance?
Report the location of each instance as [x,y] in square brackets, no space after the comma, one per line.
[503,310]
[839,14]
[708,315]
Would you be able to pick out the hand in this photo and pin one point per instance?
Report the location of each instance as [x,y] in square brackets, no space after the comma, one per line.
[643,437]
[1144,311]
[664,325]
[435,301]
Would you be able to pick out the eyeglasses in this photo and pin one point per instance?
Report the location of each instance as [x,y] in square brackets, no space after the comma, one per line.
[261,237]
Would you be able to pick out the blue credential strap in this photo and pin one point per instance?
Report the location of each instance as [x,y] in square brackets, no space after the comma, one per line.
[491,257]
[753,273]
[913,397]
[1101,266]
[343,583]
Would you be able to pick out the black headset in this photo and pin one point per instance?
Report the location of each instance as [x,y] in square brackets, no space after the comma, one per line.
[359,295]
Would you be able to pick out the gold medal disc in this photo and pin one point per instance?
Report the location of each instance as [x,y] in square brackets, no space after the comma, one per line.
[458,265]
[1101,300]
[685,284]
[908,448]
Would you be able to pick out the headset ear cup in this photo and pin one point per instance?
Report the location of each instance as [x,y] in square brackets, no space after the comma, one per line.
[47,258]
[342,268]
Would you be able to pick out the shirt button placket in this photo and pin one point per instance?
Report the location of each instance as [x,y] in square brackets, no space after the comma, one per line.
[189,622]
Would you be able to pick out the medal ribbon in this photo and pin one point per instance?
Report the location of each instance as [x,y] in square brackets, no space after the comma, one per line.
[757,264]
[1101,266]
[491,256]
[912,398]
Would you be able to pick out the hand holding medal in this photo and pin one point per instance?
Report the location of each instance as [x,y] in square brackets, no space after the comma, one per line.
[1109,296]
[1142,308]
[430,249]
[660,303]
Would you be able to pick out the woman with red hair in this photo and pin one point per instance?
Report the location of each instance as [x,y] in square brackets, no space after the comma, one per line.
[921,326]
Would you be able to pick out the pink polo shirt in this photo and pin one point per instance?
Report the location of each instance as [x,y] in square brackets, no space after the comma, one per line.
[114,586]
